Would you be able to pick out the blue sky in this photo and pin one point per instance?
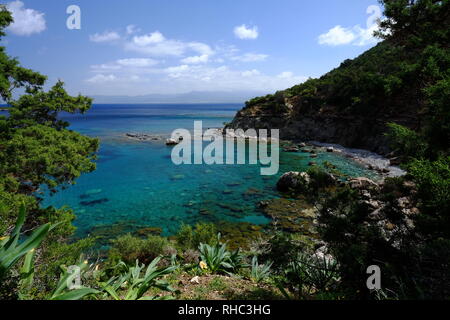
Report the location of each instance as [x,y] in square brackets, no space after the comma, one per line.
[175,46]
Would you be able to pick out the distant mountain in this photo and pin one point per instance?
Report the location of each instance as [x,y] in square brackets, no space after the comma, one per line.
[190,97]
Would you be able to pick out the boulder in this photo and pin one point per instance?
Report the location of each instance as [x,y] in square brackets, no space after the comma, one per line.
[293,180]
[172,142]
[362,183]
[291,149]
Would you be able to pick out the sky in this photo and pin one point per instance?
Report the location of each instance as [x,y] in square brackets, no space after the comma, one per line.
[139,47]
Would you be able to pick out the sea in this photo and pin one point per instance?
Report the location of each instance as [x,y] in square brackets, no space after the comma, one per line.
[136,185]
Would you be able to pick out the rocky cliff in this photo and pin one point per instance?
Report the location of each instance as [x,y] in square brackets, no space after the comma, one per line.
[350,105]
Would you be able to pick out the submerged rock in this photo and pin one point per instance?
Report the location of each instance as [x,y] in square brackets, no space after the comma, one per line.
[94,202]
[291,215]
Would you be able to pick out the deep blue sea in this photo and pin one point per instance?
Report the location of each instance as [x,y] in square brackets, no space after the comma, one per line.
[136,185]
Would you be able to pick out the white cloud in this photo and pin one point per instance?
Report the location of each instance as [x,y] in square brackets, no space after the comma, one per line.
[136,62]
[186,78]
[250,57]
[204,78]
[196,59]
[337,36]
[155,44]
[286,75]
[244,32]
[152,38]
[107,36]
[100,78]
[105,67]
[26,21]
[250,73]
[355,35]
[201,68]
[132,29]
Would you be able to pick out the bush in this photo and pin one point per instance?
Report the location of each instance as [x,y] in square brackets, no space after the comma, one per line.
[190,238]
[129,249]
[433,182]
[406,141]
[320,178]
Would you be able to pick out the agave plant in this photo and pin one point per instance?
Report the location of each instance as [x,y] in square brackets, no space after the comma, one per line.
[217,258]
[312,272]
[135,284]
[63,290]
[11,251]
[259,272]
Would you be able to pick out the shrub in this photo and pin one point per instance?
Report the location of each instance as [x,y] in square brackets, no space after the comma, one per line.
[190,238]
[129,249]
[406,141]
[308,273]
[320,178]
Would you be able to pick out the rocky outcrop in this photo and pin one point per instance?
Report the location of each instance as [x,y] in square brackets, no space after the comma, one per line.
[172,142]
[347,130]
[293,180]
[142,137]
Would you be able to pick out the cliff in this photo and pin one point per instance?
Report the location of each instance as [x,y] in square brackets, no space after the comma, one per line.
[351,105]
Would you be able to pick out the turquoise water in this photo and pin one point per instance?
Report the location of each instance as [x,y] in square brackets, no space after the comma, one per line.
[136,185]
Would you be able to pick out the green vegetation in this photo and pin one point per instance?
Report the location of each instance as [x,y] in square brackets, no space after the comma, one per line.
[217,258]
[38,152]
[129,249]
[407,73]
[259,272]
[190,238]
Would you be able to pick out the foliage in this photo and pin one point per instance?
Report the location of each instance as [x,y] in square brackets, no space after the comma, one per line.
[406,142]
[259,272]
[63,292]
[190,238]
[129,249]
[281,248]
[11,250]
[311,273]
[38,153]
[433,183]
[218,258]
[135,281]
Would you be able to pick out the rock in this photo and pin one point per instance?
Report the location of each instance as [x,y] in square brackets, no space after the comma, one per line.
[291,149]
[205,212]
[293,180]
[172,142]
[313,155]
[142,137]
[94,202]
[389,226]
[312,164]
[302,145]
[362,183]
[156,231]
[195,279]
[330,149]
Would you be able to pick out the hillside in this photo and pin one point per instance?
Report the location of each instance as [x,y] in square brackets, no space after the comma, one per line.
[350,105]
